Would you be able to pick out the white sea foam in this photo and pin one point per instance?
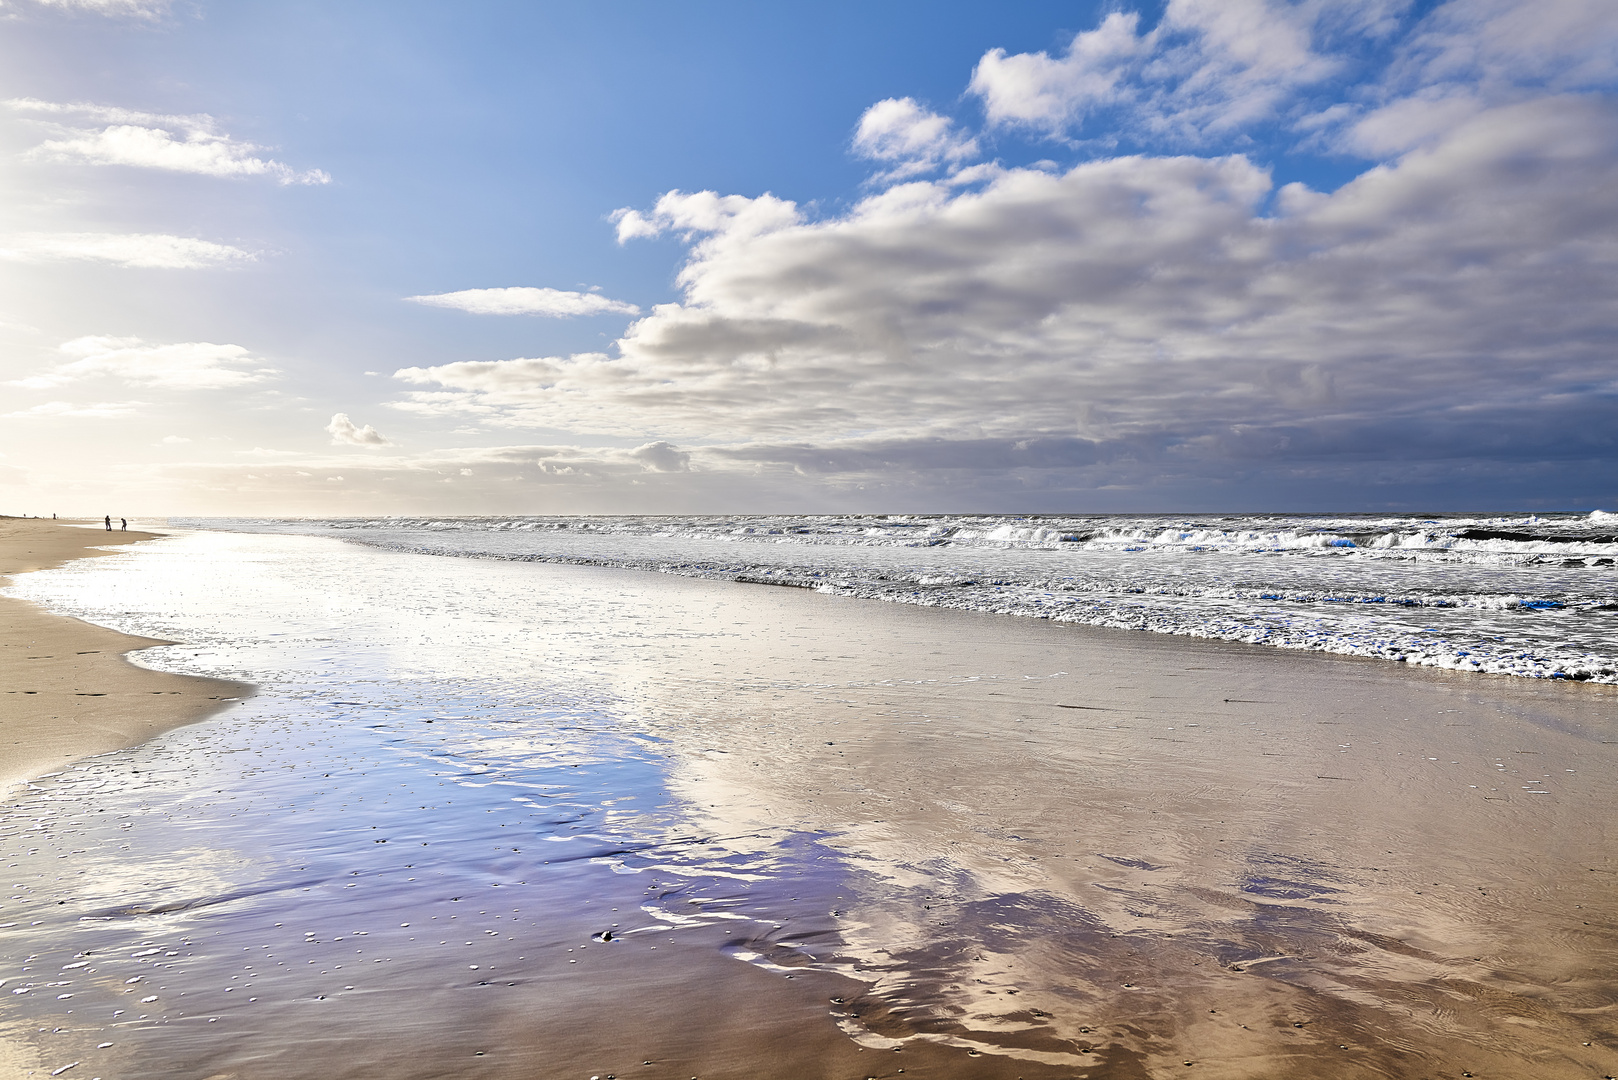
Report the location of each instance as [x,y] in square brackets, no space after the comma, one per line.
[1532,595]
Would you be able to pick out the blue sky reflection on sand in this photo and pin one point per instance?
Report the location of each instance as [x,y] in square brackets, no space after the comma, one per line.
[415,889]
[447,837]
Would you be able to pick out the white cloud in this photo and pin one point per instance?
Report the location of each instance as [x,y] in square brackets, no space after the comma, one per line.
[344,432]
[1564,44]
[175,440]
[662,457]
[910,139]
[1214,68]
[1408,122]
[1047,92]
[153,251]
[1209,67]
[734,217]
[188,144]
[1143,310]
[190,365]
[104,410]
[1470,55]
[551,303]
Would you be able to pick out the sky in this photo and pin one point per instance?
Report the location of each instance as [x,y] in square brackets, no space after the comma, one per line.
[396,257]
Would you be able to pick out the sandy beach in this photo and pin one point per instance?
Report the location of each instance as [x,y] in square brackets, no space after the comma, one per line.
[827,838]
[66,689]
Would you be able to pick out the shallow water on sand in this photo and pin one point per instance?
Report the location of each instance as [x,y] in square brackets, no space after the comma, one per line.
[827,838]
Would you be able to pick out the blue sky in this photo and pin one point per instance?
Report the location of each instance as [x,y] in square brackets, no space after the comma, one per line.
[506,258]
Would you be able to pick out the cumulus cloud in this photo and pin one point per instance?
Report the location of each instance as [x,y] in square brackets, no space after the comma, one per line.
[1207,67]
[147,251]
[1133,309]
[910,139]
[550,303]
[1173,317]
[662,457]
[1211,70]
[175,143]
[1051,92]
[344,432]
[724,217]
[191,365]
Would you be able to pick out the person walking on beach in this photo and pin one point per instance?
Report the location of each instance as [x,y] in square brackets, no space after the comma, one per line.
[108,520]
[124,524]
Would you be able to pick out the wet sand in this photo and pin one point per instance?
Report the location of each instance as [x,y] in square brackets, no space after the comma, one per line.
[1130,852]
[66,689]
[980,847]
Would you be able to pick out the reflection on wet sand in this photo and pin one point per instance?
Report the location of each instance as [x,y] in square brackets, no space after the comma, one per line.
[1089,848]
[740,831]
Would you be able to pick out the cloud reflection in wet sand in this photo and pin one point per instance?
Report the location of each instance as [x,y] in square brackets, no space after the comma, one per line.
[1265,863]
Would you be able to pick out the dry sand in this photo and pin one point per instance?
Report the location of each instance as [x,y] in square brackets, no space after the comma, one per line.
[66,689]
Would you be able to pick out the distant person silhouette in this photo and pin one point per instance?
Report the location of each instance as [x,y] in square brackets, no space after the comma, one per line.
[108,520]
[124,522]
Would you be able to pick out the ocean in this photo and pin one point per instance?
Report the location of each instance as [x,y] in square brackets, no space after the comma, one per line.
[1529,595]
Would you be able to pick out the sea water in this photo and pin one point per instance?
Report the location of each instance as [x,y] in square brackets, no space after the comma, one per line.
[1533,595]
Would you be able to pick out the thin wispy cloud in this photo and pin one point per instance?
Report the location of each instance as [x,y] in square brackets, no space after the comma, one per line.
[103,410]
[143,140]
[142,251]
[135,9]
[524,300]
[191,365]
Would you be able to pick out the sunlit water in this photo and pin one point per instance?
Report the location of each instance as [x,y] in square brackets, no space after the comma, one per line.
[1533,596]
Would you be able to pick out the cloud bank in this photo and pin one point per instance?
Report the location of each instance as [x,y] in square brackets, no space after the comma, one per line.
[1177,311]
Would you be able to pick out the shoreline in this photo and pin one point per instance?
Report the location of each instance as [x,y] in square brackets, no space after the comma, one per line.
[1394,614]
[67,688]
